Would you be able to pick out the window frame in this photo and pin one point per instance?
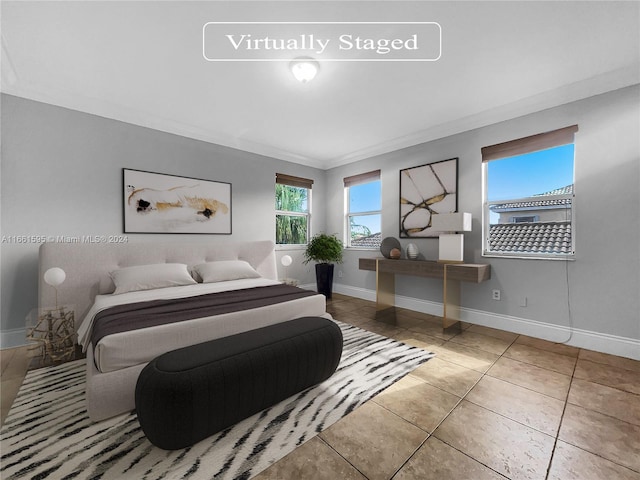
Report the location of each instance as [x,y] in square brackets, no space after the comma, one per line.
[354,181]
[295,182]
[523,146]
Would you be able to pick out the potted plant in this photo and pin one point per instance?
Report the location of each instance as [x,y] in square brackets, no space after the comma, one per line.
[326,250]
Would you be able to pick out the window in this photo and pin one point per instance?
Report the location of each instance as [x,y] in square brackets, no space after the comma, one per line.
[293,213]
[525,219]
[528,196]
[363,197]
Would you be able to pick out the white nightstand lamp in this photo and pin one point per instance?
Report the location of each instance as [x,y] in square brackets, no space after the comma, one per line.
[53,331]
[54,277]
[286,260]
[451,244]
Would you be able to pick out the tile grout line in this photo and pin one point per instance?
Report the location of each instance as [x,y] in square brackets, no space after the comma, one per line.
[429,434]
[432,434]
[464,396]
[564,409]
[597,454]
[340,455]
[485,373]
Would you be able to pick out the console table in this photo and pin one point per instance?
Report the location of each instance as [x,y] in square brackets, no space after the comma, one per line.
[451,273]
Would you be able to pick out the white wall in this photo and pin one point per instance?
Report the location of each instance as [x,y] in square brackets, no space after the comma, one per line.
[61,174]
[601,288]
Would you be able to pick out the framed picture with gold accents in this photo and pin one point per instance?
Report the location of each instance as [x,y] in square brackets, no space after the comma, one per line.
[160,203]
[427,190]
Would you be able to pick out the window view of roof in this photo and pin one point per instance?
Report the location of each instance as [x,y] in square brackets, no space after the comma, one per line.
[370,241]
[549,237]
[547,232]
[534,204]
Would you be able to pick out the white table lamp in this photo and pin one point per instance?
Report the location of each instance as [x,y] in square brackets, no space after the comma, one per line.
[54,277]
[451,244]
[53,333]
[286,260]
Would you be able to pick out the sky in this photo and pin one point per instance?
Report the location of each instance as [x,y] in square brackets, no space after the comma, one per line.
[366,197]
[530,174]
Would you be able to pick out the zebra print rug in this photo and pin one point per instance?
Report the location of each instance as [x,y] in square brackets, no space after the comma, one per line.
[48,435]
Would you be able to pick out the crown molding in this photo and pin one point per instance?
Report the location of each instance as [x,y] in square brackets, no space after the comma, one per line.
[121,113]
[600,84]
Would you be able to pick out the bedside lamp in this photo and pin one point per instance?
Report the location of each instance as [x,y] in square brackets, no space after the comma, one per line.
[286,260]
[54,331]
[54,277]
[451,244]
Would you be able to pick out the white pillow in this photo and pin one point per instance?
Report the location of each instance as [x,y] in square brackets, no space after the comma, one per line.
[146,277]
[224,270]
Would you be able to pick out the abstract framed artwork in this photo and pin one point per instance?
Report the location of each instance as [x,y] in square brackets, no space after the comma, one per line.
[425,191]
[160,203]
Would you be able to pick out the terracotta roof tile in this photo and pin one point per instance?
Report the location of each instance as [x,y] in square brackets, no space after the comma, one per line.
[371,241]
[544,237]
[568,190]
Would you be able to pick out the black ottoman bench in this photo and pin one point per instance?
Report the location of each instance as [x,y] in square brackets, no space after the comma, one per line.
[188,394]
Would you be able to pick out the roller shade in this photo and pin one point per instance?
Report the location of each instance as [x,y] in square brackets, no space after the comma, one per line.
[362,178]
[541,141]
[293,181]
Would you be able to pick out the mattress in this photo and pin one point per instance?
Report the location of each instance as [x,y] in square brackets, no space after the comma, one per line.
[126,349]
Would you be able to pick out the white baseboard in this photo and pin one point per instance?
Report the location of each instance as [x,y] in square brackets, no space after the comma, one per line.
[599,342]
[363,293]
[410,303]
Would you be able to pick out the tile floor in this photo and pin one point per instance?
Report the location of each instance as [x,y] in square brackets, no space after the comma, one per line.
[490,405]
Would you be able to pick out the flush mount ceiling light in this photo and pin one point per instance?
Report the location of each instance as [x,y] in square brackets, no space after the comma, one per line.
[304,69]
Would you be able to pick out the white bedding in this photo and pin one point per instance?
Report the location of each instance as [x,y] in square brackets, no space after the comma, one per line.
[131,348]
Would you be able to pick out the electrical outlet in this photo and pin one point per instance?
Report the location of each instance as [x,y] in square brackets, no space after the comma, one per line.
[495,294]
[340,273]
[523,301]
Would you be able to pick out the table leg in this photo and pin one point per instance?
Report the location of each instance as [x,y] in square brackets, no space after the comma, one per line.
[451,302]
[385,294]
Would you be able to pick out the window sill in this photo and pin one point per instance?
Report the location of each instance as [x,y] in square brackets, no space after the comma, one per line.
[566,258]
[282,246]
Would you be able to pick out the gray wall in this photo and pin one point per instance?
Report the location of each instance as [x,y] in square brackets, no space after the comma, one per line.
[61,174]
[603,287]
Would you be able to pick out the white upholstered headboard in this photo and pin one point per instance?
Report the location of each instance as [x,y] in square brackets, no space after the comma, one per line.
[88,265]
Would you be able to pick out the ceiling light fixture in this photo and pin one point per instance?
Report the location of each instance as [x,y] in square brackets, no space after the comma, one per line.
[304,69]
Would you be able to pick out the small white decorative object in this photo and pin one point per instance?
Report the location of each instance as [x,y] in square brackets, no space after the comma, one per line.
[412,251]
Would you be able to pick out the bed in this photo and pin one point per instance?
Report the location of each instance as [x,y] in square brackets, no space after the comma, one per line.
[213,305]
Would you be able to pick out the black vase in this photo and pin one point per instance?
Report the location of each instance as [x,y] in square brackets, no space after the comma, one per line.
[324,278]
